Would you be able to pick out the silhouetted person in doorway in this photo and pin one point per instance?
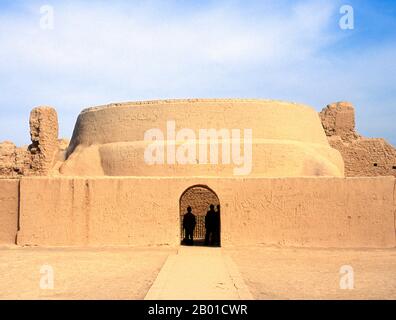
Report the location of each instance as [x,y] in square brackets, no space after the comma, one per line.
[210,225]
[189,223]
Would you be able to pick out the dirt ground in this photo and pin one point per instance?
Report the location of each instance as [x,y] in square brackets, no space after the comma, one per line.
[287,273]
[111,273]
[128,273]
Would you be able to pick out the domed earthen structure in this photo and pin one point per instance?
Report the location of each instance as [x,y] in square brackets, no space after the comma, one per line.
[287,139]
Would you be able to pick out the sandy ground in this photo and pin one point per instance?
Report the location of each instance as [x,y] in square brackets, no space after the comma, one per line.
[286,273]
[128,273]
[122,273]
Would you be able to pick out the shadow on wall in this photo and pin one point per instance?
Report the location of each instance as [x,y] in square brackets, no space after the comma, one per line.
[200,222]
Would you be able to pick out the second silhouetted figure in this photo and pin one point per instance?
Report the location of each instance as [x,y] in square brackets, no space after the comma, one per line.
[211,226]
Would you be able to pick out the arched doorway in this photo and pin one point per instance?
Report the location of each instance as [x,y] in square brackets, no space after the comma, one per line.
[200,198]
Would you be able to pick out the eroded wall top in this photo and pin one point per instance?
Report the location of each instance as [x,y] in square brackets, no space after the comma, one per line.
[39,158]
[362,156]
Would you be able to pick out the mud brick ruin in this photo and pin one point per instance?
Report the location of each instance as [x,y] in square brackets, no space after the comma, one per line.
[314,181]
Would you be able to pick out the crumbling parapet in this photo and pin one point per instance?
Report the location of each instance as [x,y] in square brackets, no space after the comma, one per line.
[362,156]
[14,161]
[41,155]
[338,119]
[44,134]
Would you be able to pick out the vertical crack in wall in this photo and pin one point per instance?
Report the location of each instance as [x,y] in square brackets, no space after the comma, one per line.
[18,212]
[87,200]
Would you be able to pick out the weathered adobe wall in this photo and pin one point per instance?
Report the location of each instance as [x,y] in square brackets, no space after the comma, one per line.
[363,157]
[366,157]
[311,212]
[9,203]
[42,154]
[44,135]
[14,161]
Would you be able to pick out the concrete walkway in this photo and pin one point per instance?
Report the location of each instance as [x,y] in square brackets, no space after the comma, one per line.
[199,273]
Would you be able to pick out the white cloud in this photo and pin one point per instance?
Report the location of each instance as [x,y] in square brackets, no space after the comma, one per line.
[102,53]
[88,38]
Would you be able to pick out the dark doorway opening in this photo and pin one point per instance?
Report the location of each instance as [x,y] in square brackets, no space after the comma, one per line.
[204,204]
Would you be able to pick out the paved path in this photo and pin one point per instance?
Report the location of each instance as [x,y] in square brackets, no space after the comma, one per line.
[199,273]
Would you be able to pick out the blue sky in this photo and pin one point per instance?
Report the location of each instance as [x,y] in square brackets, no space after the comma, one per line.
[110,51]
